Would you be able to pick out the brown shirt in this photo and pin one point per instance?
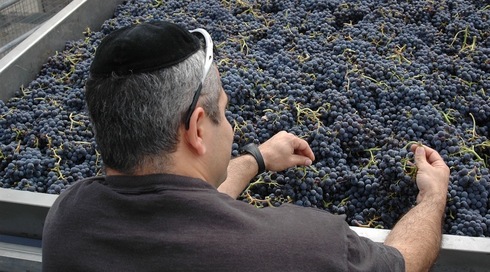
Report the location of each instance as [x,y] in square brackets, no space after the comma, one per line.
[175,223]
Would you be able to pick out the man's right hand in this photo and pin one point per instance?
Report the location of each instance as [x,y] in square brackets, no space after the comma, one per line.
[418,234]
[432,174]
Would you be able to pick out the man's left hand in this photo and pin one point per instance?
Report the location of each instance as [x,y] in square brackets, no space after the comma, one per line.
[285,150]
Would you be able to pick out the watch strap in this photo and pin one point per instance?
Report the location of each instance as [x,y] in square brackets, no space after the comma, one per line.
[253,150]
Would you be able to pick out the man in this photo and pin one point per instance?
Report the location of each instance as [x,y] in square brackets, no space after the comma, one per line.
[168,200]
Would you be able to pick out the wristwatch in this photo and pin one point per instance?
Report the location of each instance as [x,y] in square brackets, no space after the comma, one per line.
[253,150]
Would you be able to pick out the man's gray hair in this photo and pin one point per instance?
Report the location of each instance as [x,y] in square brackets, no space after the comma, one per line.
[136,118]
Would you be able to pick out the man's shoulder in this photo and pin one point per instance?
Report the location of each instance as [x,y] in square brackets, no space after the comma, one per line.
[78,187]
[83,182]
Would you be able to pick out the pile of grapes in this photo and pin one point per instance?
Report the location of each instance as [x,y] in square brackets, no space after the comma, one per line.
[359,80]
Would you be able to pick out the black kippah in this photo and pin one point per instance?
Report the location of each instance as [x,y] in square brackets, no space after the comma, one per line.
[143,48]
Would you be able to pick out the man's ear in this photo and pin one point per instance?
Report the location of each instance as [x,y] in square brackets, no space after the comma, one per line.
[194,135]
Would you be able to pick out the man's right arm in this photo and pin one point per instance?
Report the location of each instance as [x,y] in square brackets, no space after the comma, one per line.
[418,234]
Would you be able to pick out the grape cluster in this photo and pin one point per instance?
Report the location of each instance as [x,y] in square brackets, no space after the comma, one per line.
[360,81]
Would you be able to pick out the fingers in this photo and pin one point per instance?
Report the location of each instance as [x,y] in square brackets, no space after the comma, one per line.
[301,147]
[286,150]
[302,155]
[425,154]
[434,158]
[420,156]
[298,160]
[432,175]
[301,151]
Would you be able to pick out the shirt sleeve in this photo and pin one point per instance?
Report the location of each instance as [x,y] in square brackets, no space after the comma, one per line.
[366,255]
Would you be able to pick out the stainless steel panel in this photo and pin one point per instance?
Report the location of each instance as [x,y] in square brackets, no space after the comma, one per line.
[22,213]
[18,254]
[458,253]
[21,64]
